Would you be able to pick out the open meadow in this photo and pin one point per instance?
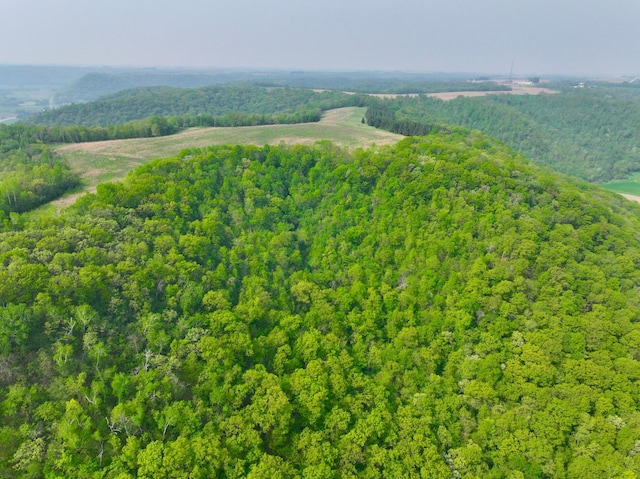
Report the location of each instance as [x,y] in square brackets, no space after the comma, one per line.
[630,186]
[102,161]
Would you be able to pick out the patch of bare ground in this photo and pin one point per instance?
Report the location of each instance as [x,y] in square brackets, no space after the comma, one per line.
[631,197]
[68,200]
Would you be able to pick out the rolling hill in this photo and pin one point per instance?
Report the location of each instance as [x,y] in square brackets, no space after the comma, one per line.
[216,100]
[97,162]
[436,308]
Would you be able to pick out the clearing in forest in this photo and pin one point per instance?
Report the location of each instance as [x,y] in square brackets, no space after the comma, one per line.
[102,161]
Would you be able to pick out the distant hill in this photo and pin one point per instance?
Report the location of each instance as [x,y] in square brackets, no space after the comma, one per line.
[143,102]
[378,83]
[95,85]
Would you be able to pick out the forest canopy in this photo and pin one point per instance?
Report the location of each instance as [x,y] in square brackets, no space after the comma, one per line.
[439,308]
[30,172]
[216,100]
[589,133]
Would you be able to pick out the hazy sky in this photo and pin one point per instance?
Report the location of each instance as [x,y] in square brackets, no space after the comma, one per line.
[539,36]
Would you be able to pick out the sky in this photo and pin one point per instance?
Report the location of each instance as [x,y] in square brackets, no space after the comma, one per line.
[584,37]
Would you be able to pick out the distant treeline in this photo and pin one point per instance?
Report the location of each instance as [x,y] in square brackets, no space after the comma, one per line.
[208,106]
[401,85]
[586,132]
[97,84]
[157,126]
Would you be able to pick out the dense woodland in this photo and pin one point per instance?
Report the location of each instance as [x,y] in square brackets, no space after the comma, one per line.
[215,101]
[589,133]
[439,308]
[30,173]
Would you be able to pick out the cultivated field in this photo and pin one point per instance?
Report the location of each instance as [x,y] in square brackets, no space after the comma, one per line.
[102,161]
[515,90]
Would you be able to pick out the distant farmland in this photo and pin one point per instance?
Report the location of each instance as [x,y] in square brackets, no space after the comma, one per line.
[515,90]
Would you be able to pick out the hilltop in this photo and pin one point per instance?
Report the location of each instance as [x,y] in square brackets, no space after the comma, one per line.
[436,308]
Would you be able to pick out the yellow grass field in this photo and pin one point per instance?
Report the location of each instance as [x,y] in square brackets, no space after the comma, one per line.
[515,90]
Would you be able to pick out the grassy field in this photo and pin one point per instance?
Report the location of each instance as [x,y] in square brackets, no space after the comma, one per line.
[102,161]
[630,186]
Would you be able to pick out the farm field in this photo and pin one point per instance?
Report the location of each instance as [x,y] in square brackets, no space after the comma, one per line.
[629,186]
[102,161]
[515,90]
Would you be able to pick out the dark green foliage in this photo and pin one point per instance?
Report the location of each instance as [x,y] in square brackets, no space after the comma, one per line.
[439,308]
[30,174]
[380,116]
[589,133]
[207,102]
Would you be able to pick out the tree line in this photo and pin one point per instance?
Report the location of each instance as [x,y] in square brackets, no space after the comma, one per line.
[587,133]
[215,101]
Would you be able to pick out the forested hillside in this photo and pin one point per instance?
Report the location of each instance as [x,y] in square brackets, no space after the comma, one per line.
[589,133]
[217,100]
[439,308]
[369,83]
[97,84]
[30,173]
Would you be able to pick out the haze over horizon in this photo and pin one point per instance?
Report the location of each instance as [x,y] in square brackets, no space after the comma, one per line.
[545,37]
